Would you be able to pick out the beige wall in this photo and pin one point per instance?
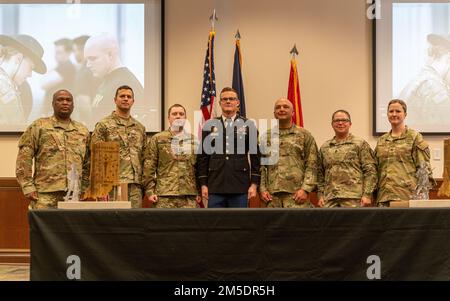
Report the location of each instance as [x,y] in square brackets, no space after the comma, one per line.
[8,149]
[335,71]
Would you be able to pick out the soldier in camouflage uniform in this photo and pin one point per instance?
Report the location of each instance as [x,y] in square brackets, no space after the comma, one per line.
[287,182]
[428,94]
[121,127]
[19,55]
[169,165]
[347,174]
[399,154]
[55,143]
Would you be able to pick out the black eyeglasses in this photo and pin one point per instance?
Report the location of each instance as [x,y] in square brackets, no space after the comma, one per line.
[228,98]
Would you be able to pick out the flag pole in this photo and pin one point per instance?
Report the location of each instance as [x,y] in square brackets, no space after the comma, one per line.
[294,90]
[213,18]
[237,81]
[237,36]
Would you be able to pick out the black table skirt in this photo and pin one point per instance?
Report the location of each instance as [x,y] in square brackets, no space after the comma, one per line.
[241,244]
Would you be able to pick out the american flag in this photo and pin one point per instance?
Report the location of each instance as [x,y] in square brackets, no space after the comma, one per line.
[209,87]
[209,80]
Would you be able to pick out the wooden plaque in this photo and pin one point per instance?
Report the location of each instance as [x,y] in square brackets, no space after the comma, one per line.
[104,168]
[444,190]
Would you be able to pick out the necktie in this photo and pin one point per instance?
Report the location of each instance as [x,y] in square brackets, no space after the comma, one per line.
[228,123]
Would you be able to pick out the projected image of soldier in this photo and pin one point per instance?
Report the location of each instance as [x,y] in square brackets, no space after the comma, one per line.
[85,85]
[61,77]
[102,55]
[19,56]
[428,94]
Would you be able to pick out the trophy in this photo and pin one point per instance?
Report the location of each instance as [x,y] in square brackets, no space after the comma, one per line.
[73,189]
[444,190]
[104,179]
[104,169]
[423,183]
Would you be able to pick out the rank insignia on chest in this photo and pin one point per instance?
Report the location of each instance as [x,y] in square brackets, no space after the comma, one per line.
[214,132]
[242,130]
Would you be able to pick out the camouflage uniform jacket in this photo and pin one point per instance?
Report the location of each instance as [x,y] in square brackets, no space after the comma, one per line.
[398,158]
[296,167]
[347,169]
[11,111]
[54,147]
[130,134]
[169,165]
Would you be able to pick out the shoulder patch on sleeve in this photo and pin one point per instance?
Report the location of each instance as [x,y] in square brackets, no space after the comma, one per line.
[423,145]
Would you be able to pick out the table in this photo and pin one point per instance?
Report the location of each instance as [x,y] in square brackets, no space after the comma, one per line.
[242,244]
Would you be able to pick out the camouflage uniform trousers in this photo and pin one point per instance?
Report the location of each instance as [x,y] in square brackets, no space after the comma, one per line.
[48,200]
[285,200]
[182,201]
[343,202]
[134,195]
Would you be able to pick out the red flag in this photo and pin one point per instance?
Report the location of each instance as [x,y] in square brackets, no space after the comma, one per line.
[294,94]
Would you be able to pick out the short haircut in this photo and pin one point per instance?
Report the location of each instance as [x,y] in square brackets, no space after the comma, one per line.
[228,89]
[124,87]
[399,101]
[342,111]
[80,41]
[67,43]
[177,105]
[61,90]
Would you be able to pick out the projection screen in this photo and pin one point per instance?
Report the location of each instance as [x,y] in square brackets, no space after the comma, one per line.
[412,63]
[89,48]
